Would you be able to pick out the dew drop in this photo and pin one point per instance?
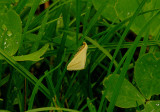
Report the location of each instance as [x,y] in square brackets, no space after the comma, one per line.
[4,27]
[9,33]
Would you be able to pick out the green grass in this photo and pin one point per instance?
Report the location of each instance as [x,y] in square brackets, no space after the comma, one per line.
[46,84]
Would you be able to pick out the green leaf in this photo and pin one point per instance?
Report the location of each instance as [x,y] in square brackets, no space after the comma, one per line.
[70,41]
[147,74]
[5,111]
[128,97]
[90,106]
[109,12]
[33,56]
[30,2]
[152,106]
[123,9]
[5,1]
[4,80]
[10,31]
[126,8]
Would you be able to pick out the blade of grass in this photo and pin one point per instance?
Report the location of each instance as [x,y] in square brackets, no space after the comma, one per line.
[38,27]
[70,87]
[155,39]
[90,25]
[30,16]
[21,5]
[8,100]
[87,10]
[93,20]
[125,33]
[41,32]
[78,12]
[24,72]
[38,19]
[38,84]
[127,62]
[5,111]
[36,46]
[91,106]
[52,90]
[116,51]
[86,105]
[107,46]
[20,100]
[111,31]
[144,45]
[66,19]
[51,108]
[4,80]
[97,61]
[101,48]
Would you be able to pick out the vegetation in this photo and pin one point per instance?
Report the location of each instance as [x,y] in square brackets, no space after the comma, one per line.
[39,38]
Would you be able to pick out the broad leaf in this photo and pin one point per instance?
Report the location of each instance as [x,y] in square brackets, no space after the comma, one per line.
[152,106]
[36,56]
[128,97]
[10,31]
[109,12]
[126,8]
[122,9]
[147,74]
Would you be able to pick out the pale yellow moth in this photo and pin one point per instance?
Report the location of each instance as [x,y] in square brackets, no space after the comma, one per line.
[79,59]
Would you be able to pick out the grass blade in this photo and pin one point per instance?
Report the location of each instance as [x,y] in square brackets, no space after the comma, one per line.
[127,62]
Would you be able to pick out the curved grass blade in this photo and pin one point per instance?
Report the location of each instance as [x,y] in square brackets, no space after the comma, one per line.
[51,108]
[39,81]
[24,72]
[127,62]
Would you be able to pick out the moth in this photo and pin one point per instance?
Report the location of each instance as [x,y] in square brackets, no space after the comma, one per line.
[79,59]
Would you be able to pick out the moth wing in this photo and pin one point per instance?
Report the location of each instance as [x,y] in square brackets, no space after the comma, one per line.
[79,60]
